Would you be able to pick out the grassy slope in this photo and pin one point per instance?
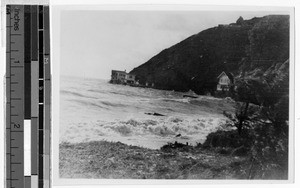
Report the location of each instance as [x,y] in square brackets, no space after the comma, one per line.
[104,159]
[195,62]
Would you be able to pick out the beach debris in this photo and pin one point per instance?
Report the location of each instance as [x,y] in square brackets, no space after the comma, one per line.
[190,96]
[179,135]
[154,114]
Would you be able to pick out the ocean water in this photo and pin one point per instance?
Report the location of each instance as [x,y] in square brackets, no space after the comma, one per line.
[93,109]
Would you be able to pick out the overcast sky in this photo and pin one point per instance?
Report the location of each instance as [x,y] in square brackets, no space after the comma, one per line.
[95,42]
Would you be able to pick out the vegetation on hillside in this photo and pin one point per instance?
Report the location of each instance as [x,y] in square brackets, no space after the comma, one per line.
[267,123]
[195,63]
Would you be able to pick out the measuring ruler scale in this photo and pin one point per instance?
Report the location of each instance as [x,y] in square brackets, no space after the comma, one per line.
[28,96]
[15,96]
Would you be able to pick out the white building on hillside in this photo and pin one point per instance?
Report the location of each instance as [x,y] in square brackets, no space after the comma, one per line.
[225,81]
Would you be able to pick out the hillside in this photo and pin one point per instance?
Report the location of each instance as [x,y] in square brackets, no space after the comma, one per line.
[242,47]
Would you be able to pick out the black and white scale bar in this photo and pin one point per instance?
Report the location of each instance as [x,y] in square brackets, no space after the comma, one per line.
[34,93]
[41,96]
[27,63]
[47,98]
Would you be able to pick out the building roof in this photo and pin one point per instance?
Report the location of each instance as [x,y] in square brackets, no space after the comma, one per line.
[124,72]
[222,73]
[119,71]
[230,75]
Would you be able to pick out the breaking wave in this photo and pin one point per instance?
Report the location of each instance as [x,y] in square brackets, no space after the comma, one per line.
[95,110]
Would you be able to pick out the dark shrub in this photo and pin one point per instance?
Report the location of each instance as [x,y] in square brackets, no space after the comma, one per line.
[176,146]
[229,142]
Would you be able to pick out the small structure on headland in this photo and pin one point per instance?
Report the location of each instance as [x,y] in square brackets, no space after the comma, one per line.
[225,81]
[121,77]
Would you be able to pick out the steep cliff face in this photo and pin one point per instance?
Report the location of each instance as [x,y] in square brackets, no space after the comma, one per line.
[241,47]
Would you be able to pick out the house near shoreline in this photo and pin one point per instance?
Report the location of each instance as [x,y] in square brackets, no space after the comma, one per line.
[130,79]
[124,78]
[121,77]
[225,81]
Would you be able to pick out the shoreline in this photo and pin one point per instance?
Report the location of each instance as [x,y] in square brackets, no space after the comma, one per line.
[103,159]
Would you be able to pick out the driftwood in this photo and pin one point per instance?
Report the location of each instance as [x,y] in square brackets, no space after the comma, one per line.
[190,96]
[154,114]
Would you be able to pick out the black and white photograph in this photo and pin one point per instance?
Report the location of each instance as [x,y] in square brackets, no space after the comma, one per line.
[174,94]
